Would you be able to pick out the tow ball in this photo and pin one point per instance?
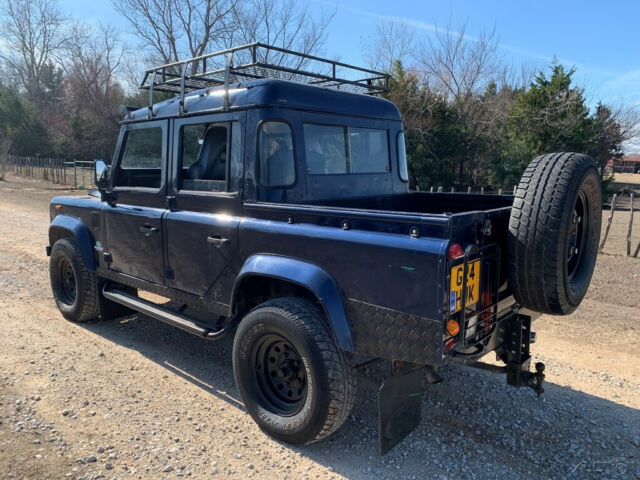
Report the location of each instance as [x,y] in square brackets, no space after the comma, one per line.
[535,379]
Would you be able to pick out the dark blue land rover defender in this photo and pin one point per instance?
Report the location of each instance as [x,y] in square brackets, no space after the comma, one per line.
[271,192]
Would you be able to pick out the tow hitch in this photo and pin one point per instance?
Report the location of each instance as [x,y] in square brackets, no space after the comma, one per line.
[517,340]
[399,397]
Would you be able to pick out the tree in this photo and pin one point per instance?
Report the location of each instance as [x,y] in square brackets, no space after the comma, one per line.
[171,30]
[552,114]
[461,68]
[35,33]
[610,129]
[392,41]
[21,132]
[432,130]
[282,23]
[93,93]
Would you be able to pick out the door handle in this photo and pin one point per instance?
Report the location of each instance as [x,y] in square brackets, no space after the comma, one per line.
[217,240]
[148,229]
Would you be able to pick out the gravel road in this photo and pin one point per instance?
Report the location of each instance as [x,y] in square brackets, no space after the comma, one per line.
[136,399]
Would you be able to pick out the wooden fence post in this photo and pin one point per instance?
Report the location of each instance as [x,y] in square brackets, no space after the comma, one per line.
[630,228]
[606,232]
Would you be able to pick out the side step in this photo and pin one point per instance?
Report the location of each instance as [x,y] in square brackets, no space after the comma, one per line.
[165,315]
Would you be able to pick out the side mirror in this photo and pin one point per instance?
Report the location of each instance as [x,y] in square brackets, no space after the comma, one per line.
[101,175]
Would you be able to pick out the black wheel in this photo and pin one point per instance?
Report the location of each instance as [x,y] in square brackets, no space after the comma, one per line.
[554,232]
[297,385]
[75,287]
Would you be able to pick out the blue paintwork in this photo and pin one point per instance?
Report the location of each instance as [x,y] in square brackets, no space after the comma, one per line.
[350,239]
[307,275]
[74,227]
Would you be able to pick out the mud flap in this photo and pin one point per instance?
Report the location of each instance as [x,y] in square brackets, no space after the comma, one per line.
[399,400]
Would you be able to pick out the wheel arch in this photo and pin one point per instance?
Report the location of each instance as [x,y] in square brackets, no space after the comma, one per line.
[284,276]
[65,226]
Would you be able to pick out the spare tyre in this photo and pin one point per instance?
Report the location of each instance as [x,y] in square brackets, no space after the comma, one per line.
[554,232]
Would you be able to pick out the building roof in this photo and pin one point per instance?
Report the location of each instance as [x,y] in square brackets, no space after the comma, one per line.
[632,159]
[274,93]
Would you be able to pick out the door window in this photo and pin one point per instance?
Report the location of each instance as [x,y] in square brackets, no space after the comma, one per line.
[205,152]
[141,163]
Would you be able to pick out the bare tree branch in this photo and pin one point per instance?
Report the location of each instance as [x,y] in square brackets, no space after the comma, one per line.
[35,32]
[392,40]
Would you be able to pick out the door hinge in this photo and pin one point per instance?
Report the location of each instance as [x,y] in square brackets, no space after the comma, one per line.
[168,273]
[171,203]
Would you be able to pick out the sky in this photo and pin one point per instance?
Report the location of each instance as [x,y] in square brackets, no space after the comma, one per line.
[599,38]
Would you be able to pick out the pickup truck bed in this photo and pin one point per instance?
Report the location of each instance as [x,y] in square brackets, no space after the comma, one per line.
[423,202]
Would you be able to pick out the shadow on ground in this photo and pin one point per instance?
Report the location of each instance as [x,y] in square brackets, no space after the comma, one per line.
[472,424]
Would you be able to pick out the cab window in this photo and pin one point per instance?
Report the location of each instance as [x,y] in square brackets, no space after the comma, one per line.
[332,149]
[141,162]
[203,163]
[276,161]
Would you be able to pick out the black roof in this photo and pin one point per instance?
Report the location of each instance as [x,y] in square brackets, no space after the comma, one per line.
[273,93]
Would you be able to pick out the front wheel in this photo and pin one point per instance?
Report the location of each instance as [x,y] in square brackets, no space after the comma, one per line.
[297,385]
[74,286]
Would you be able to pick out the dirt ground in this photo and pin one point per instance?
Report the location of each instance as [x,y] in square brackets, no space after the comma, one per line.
[134,398]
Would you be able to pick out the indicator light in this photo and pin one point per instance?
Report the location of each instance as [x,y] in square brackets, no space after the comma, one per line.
[453,327]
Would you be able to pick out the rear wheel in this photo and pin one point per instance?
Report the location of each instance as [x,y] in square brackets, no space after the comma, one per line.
[295,382]
[554,232]
[74,286]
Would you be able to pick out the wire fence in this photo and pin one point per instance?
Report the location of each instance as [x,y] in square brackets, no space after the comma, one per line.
[73,173]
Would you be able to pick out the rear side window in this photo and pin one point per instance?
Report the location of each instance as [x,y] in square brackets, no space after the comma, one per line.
[141,163]
[276,161]
[326,149]
[369,150]
[331,149]
[204,157]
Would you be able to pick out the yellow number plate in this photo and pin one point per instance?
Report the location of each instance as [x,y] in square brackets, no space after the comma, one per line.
[473,285]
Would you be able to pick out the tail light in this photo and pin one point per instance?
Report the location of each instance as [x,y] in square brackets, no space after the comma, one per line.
[455,251]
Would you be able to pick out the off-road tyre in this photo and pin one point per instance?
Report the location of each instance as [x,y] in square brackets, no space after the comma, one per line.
[557,209]
[79,302]
[330,388]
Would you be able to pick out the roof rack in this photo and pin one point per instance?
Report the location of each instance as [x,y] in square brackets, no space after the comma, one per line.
[258,60]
